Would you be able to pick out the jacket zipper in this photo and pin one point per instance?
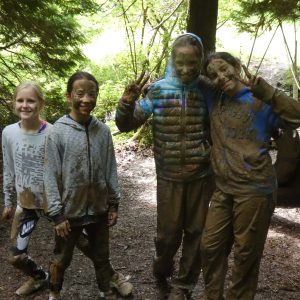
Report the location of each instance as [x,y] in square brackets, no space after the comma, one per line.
[183,124]
[89,161]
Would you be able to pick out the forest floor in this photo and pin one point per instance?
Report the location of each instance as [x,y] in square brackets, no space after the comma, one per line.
[132,246]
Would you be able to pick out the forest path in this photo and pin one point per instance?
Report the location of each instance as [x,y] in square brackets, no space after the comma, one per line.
[132,246]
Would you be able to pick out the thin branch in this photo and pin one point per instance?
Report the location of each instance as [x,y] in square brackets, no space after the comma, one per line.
[158,20]
[290,56]
[145,10]
[9,68]
[166,46]
[131,46]
[222,24]
[170,15]
[13,42]
[8,80]
[20,55]
[266,50]
[254,41]
[125,10]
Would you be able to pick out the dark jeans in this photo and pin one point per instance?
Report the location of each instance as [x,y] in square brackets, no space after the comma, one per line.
[97,250]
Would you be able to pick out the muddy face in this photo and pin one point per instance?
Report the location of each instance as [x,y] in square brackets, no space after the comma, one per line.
[82,99]
[224,76]
[187,63]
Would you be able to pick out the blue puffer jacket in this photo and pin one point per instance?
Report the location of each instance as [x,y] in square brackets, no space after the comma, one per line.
[180,126]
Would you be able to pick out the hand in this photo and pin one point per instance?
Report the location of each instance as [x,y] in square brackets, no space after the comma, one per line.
[7,213]
[249,80]
[112,218]
[259,87]
[133,90]
[63,229]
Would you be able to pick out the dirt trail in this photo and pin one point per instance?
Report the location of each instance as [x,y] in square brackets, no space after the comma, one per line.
[132,244]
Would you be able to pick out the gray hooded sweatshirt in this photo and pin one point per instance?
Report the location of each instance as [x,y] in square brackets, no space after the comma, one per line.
[80,170]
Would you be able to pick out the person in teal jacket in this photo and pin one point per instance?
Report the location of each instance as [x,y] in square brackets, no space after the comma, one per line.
[181,152]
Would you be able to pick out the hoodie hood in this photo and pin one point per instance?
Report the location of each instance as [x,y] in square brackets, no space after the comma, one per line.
[65,120]
[170,73]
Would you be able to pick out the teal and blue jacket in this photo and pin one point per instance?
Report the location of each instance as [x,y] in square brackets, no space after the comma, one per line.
[179,126]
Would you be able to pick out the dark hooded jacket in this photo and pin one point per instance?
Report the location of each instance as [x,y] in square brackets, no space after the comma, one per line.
[180,122]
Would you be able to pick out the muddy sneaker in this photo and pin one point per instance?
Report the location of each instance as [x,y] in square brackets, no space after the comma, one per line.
[110,295]
[121,284]
[179,294]
[32,285]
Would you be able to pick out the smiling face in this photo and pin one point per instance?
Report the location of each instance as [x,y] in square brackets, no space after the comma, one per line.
[27,104]
[187,63]
[224,76]
[82,99]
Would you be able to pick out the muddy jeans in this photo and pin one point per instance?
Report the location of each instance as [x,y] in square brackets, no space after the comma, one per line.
[181,212]
[97,251]
[242,221]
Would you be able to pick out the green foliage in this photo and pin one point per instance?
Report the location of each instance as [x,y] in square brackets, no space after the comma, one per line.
[265,13]
[145,136]
[112,74]
[150,27]
[41,41]
[226,7]
[118,137]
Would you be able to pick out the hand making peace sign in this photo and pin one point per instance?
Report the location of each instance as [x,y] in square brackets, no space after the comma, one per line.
[133,90]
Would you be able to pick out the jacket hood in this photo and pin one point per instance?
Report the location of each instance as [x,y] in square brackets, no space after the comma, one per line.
[65,120]
[170,74]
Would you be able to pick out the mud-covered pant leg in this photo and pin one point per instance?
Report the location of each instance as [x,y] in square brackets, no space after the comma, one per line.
[217,239]
[252,215]
[170,212]
[84,246]
[63,252]
[98,235]
[197,195]
[19,257]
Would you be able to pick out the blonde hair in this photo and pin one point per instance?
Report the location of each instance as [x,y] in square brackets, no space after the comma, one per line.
[34,86]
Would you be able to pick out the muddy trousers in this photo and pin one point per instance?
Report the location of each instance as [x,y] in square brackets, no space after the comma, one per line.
[242,221]
[19,257]
[97,251]
[181,212]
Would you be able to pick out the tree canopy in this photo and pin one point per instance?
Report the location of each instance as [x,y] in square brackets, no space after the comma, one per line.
[39,40]
[43,40]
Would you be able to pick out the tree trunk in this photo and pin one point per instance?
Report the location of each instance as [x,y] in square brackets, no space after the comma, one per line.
[202,20]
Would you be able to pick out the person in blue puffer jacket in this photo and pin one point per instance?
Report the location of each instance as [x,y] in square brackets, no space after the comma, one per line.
[181,152]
